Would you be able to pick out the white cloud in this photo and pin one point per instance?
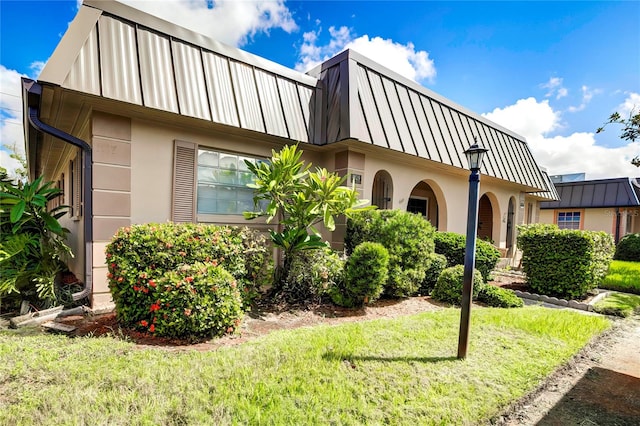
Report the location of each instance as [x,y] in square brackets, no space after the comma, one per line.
[575,153]
[11,132]
[554,86]
[231,22]
[587,95]
[630,105]
[403,59]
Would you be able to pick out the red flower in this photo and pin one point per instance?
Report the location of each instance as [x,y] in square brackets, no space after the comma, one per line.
[110,275]
[155,307]
[152,328]
[120,279]
[145,290]
[113,266]
[152,283]
[136,288]
[144,323]
[187,311]
[188,279]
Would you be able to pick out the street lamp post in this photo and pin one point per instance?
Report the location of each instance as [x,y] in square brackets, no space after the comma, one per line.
[474,156]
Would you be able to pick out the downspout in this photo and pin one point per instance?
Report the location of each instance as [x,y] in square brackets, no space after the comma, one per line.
[617,234]
[34,120]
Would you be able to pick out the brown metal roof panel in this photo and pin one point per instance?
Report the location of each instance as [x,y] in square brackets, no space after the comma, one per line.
[423,127]
[613,196]
[412,123]
[384,110]
[399,116]
[246,95]
[369,110]
[84,75]
[156,71]
[119,61]
[333,87]
[192,89]
[307,104]
[574,197]
[436,130]
[296,122]
[599,191]
[270,104]
[220,87]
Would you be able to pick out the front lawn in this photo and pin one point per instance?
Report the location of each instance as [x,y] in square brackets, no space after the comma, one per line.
[623,276]
[620,304]
[400,371]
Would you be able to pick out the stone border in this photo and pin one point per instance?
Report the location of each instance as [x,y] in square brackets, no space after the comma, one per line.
[563,302]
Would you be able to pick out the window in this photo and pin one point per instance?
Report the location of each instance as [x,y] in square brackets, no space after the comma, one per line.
[222,183]
[569,220]
[418,205]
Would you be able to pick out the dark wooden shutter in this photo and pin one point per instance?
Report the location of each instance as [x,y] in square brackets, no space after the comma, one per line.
[183,208]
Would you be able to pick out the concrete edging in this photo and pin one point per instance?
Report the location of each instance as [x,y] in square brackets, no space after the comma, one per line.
[562,302]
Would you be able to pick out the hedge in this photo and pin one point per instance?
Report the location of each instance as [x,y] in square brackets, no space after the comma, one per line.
[312,274]
[564,263]
[448,288]
[628,248]
[408,238]
[453,246]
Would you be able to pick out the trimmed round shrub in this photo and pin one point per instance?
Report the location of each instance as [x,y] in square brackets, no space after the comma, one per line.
[193,301]
[453,246]
[448,288]
[312,274]
[498,297]
[628,248]
[408,238]
[366,273]
[437,263]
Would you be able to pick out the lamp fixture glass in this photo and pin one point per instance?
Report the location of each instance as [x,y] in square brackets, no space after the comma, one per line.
[475,154]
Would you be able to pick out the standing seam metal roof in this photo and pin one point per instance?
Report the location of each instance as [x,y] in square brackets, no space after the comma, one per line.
[118,52]
[602,193]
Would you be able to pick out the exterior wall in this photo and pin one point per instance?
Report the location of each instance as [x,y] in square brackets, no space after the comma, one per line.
[75,238]
[111,140]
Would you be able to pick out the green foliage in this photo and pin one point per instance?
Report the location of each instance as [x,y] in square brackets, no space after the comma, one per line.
[618,304]
[144,254]
[448,288]
[498,297]
[628,248]
[630,128]
[366,273]
[407,237]
[453,246]
[312,274]
[564,263]
[437,263]
[32,247]
[298,199]
[623,276]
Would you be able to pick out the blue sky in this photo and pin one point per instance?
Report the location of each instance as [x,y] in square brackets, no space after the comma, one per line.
[551,71]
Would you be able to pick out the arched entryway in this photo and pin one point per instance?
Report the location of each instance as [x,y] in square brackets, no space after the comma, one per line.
[510,223]
[485,219]
[382,191]
[424,199]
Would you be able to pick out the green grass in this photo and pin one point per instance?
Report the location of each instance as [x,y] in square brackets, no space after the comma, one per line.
[400,371]
[623,276]
[622,305]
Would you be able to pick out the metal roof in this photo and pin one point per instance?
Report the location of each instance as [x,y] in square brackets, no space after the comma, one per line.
[551,194]
[370,103]
[619,192]
[118,52]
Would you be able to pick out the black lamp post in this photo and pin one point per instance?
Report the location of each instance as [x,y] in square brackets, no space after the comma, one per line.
[474,156]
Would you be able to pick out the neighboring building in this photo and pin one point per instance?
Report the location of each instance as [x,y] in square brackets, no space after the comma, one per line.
[139,120]
[610,205]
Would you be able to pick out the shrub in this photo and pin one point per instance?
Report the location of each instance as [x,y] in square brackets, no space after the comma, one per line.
[628,248]
[448,288]
[312,274]
[407,237]
[499,297]
[437,263]
[453,246]
[198,300]
[154,249]
[564,263]
[366,273]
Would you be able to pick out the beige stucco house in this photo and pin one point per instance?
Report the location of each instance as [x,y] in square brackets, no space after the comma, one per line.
[609,205]
[139,120]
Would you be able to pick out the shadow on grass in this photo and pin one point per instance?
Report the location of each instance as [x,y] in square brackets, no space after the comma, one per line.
[339,356]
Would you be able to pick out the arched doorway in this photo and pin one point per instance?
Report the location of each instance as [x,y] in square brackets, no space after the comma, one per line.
[485,219]
[510,218]
[423,200]
[382,191]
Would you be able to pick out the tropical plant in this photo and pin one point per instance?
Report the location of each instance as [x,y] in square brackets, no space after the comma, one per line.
[286,190]
[32,247]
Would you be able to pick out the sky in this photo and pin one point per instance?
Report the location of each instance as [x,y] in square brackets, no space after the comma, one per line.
[552,72]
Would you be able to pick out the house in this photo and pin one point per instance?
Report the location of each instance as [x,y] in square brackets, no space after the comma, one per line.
[610,205]
[139,120]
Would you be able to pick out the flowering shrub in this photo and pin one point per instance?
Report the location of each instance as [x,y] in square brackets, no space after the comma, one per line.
[198,300]
[312,274]
[141,257]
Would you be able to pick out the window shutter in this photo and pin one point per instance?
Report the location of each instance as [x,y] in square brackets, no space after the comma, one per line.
[184,182]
